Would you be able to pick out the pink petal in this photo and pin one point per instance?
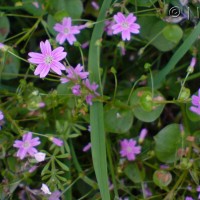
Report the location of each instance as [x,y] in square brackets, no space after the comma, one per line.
[32,151]
[45,47]
[60,38]
[117,28]
[119,18]
[74,30]
[37,58]
[134,28]
[56,67]
[58,54]
[45,71]
[21,153]
[71,39]
[39,69]
[27,136]
[130,18]
[199,92]
[195,100]
[67,21]
[18,143]
[126,35]
[58,27]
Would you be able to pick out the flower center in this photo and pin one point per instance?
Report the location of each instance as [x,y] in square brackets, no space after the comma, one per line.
[26,144]
[48,59]
[66,30]
[125,25]
[129,149]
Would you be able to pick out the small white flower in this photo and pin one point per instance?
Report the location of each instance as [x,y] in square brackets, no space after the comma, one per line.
[45,189]
[40,156]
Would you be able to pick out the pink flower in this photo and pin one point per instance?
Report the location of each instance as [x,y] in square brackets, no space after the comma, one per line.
[87,147]
[125,25]
[85,45]
[74,74]
[57,141]
[1,115]
[92,88]
[66,31]
[142,135]
[48,59]
[76,90]
[196,103]
[108,27]
[55,195]
[26,146]
[193,62]
[189,198]
[129,149]
[95,5]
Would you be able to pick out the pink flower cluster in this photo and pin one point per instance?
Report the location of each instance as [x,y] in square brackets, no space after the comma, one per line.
[81,84]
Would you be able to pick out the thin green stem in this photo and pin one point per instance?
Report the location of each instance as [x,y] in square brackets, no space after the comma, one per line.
[112,171]
[132,89]
[183,84]
[82,56]
[152,84]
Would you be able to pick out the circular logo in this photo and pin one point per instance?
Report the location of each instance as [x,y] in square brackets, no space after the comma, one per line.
[174,11]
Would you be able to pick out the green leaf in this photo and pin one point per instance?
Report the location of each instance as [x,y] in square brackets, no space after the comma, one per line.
[135,173]
[173,33]
[10,66]
[33,9]
[4,28]
[167,143]
[117,119]
[63,166]
[160,77]
[161,35]
[143,3]
[74,8]
[96,110]
[144,109]
[162,178]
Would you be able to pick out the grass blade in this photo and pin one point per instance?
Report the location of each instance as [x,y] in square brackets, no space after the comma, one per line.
[96,110]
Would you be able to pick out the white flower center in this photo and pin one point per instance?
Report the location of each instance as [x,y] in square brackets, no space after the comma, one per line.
[125,25]
[129,149]
[48,59]
[26,144]
[66,30]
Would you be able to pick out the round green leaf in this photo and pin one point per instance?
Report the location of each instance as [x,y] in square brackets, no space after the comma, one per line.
[34,8]
[162,178]
[74,8]
[135,173]
[143,106]
[173,33]
[167,143]
[10,66]
[118,118]
[4,28]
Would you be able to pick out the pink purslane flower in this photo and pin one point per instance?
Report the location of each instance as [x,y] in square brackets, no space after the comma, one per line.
[92,89]
[129,149]
[26,146]
[48,59]
[1,115]
[74,74]
[142,135]
[57,141]
[125,25]
[108,27]
[76,90]
[66,31]
[87,147]
[196,103]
